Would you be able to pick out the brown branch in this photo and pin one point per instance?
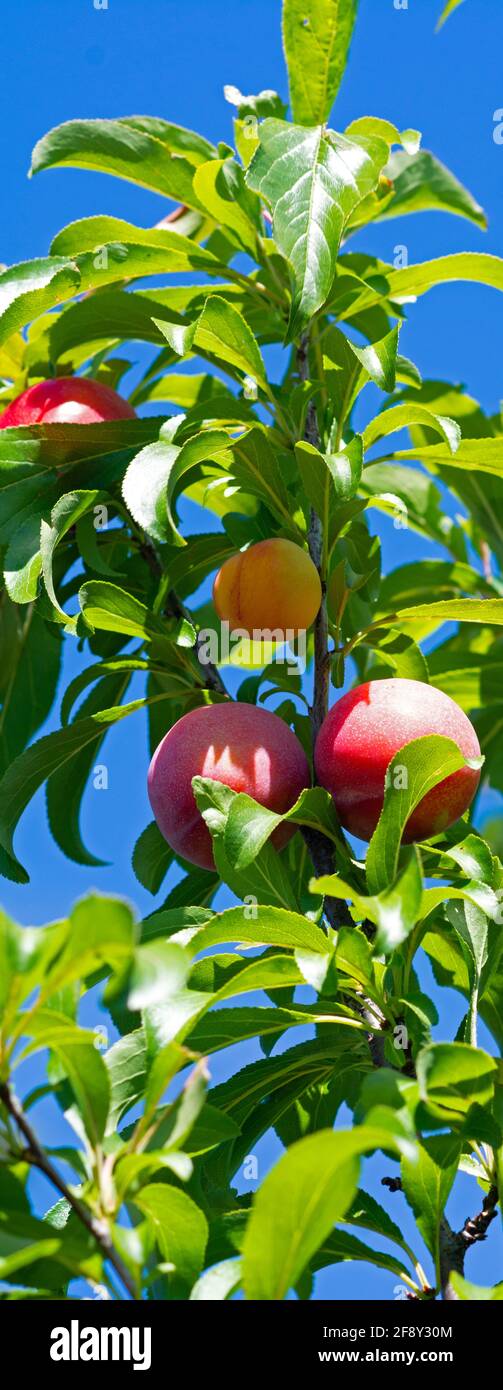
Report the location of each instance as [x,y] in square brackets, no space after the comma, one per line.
[320,849]
[476,1227]
[454,1245]
[35,1154]
[452,1259]
[209,672]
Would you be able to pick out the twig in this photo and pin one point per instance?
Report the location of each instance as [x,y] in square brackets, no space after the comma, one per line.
[35,1155]
[175,608]
[212,677]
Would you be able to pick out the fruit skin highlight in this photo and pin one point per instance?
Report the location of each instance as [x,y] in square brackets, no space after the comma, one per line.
[364,730]
[66,400]
[272,586]
[247,748]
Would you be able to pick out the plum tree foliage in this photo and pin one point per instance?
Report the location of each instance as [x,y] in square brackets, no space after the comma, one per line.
[96,553]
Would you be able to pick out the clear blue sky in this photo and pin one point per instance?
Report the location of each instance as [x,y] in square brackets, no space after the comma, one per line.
[168,59]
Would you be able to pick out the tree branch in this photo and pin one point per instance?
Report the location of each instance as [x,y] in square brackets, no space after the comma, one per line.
[320,849]
[452,1259]
[35,1154]
[455,1244]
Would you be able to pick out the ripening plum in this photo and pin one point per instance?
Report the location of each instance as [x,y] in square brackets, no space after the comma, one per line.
[364,730]
[66,400]
[272,586]
[244,746]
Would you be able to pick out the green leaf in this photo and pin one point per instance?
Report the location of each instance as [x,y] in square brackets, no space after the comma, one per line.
[180,1227]
[35,765]
[312,179]
[427,761]
[448,9]
[456,610]
[467,1292]
[144,488]
[341,1245]
[271,926]
[266,103]
[427,1182]
[417,279]
[400,417]
[123,244]
[68,510]
[386,130]
[23,562]
[223,1027]
[127,1066]
[101,929]
[316,39]
[221,332]
[454,1076]
[309,1190]
[36,450]
[159,970]
[82,1065]
[257,468]
[148,152]
[31,651]
[24,1252]
[473,455]
[367,1212]
[250,825]
[421,183]
[25,954]
[221,189]
[29,289]
[111,609]
[413,582]
[259,1094]
[66,786]
[472,927]
[218,1283]
[21,1239]
[379,360]
[394,911]
[268,878]
[209,445]
[152,857]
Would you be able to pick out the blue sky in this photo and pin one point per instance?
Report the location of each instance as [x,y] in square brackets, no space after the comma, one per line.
[172,60]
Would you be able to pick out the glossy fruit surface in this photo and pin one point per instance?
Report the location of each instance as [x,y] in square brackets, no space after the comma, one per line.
[66,400]
[364,730]
[244,746]
[272,586]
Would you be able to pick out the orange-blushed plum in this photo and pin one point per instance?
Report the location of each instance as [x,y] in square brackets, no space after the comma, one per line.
[66,400]
[273,585]
[247,748]
[364,730]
